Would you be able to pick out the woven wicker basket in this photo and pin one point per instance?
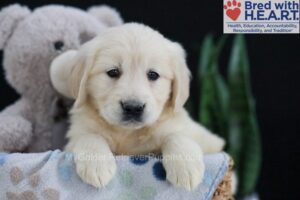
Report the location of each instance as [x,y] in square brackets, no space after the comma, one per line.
[224,190]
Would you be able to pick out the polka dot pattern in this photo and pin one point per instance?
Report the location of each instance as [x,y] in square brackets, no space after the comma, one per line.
[111,184]
[126,178]
[137,178]
[65,172]
[159,171]
[139,160]
[125,196]
[69,156]
[148,193]
[3,157]
[208,178]
[55,155]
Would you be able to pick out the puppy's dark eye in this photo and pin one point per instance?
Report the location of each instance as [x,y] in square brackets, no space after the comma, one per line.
[59,45]
[114,73]
[153,76]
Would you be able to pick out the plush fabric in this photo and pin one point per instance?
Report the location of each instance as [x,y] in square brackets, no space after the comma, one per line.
[30,40]
[51,176]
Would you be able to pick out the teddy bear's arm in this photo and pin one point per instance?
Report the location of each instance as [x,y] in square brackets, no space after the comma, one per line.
[15,129]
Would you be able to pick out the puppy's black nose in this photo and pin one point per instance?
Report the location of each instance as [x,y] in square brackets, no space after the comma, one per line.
[133,109]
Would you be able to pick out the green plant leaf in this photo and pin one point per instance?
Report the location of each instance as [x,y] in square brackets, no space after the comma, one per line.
[244,139]
[205,55]
[214,94]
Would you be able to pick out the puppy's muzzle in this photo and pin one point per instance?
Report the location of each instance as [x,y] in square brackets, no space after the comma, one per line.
[132,110]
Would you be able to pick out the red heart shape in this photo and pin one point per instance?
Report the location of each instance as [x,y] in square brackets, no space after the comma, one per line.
[233,13]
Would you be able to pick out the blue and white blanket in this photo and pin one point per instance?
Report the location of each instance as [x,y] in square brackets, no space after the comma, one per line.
[51,176]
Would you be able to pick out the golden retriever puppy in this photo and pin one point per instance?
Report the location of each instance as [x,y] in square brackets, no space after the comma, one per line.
[130,85]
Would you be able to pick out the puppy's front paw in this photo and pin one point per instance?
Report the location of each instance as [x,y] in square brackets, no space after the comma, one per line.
[183,173]
[96,171]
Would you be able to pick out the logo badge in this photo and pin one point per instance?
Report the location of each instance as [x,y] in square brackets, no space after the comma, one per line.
[261,16]
[232,9]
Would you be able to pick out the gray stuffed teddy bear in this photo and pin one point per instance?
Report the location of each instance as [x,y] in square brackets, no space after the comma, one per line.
[30,40]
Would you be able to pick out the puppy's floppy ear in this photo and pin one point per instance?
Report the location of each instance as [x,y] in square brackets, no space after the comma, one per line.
[182,76]
[83,64]
[70,71]
[60,70]
[9,18]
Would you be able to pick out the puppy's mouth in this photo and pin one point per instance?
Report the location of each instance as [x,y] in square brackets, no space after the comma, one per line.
[132,119]
[132,124]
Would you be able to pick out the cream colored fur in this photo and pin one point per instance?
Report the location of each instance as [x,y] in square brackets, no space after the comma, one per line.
[97,131]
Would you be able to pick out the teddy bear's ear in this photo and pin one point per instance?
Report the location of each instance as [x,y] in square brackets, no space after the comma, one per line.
[107,15]
[9,18]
